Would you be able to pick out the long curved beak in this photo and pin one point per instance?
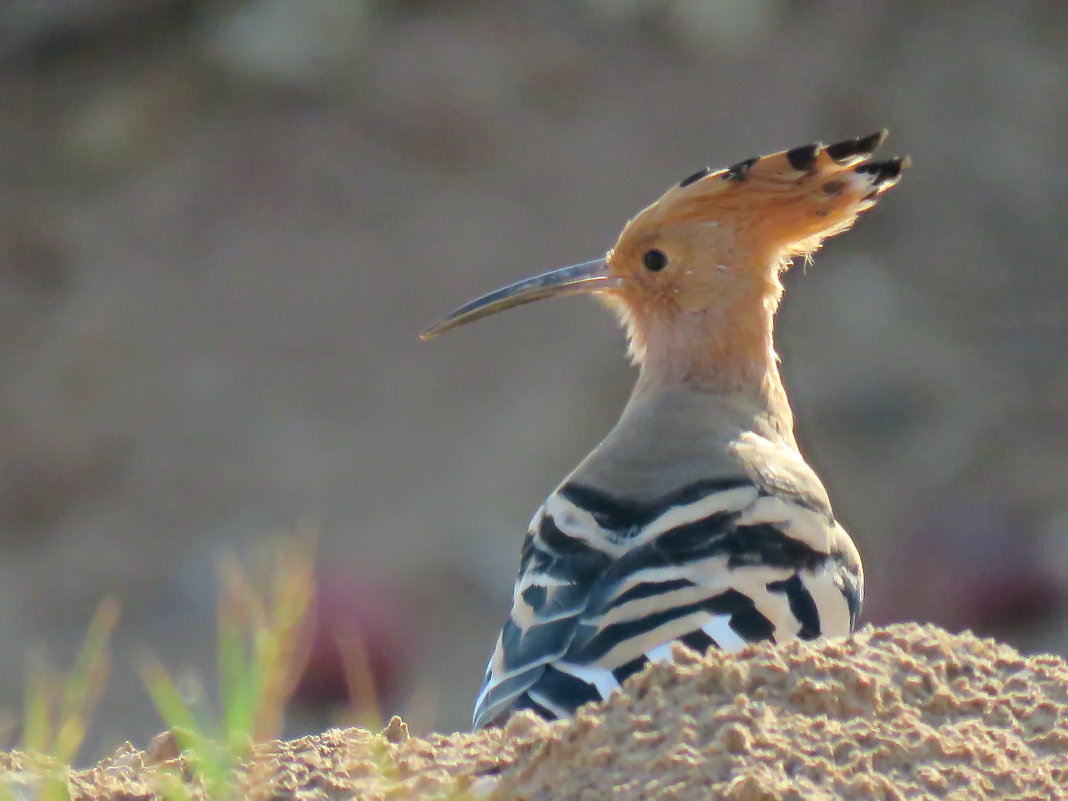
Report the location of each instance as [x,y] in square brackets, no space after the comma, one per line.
[590,276]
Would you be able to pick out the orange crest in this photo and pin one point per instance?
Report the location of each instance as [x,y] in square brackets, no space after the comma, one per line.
[715,243]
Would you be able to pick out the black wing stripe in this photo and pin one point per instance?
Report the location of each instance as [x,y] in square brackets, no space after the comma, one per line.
[751,625]
[802,605]
[618,514]
[610,512]
[628,669]
[561,544]
[649,589]
[564,689]
[766,545]
[535,596]
[591,643]
[699,537]
[699,641]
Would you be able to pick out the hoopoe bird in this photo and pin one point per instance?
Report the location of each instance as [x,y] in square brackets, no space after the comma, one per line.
[696,520]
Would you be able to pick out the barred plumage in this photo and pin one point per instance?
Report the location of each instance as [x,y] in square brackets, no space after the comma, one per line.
[605,582]
[696,520]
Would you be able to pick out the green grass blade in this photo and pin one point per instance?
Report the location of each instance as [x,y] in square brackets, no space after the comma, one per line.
[191,734]
[39,699]
[259,655]
[86,682]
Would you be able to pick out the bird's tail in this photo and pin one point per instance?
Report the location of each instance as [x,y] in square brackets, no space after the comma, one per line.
[789,202]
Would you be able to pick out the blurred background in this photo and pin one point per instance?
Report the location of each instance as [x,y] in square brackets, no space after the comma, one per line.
[224,223]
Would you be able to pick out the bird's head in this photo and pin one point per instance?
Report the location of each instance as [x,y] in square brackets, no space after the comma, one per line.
[694,277]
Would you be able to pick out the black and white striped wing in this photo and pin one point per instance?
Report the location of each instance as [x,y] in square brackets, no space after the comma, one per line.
[606,585]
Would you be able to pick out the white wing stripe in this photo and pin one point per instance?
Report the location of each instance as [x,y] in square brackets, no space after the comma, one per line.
[572,519]
[733,500]
[600,678]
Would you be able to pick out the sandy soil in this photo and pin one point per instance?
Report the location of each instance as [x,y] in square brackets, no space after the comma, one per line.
[902,712]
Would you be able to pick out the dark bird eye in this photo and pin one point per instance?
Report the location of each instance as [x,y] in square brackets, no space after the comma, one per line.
[655,260]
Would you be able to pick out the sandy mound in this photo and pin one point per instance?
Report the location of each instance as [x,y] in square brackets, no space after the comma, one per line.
[897,713]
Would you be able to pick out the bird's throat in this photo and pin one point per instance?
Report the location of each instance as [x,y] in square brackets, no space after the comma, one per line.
[727,351]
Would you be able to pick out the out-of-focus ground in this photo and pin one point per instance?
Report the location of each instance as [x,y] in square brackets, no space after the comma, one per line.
[223,224]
